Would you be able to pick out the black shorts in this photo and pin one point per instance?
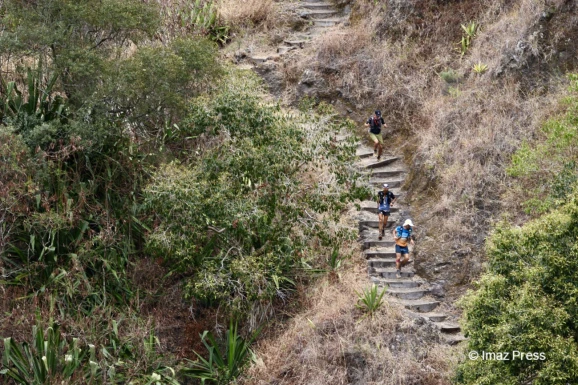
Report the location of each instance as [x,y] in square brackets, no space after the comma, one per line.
[385,213]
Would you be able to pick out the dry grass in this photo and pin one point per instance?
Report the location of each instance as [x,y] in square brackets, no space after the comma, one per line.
[248,14]
[331,343]
[459,137]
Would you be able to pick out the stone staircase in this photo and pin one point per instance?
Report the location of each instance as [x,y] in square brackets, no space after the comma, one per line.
[321,15]
[410,290]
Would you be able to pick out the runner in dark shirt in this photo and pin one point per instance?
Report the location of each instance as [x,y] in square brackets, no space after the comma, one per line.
[375,123]
[385,200]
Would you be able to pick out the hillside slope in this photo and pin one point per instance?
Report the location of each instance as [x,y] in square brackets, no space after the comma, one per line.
[463,85]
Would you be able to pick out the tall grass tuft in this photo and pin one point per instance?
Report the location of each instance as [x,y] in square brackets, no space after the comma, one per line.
[224,364]
[369,301]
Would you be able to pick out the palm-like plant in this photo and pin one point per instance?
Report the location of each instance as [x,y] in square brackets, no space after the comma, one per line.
[480,68]
[470,31]
[48,357]
[369,301]
[39,101]
[222,365]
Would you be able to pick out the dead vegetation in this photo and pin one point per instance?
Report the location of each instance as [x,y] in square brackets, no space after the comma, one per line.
[329,342]
[458,131]
[248,14]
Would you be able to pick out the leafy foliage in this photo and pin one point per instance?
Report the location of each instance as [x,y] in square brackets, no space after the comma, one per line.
[92,120]
[449,76]
[546,169]
[76,39]
[237,218]
[223,365]
[48,356]
[470,31]
[50,359]
[526,302]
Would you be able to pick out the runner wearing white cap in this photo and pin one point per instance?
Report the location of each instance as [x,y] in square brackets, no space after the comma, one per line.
[402,236]
[385,199]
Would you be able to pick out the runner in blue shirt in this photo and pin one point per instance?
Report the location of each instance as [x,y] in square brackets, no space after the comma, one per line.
[402,235]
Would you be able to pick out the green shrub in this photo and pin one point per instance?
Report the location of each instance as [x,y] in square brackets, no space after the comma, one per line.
[545,168]
[526,302]
[235,219]
[449,76]
[50,359]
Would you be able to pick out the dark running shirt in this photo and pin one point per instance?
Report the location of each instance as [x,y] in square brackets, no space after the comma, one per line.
[385,200]
[375,126]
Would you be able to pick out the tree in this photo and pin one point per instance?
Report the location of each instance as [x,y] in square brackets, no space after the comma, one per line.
[527,303]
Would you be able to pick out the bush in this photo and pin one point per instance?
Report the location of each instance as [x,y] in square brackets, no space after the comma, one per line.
[49,358]
[236,218]
[526,302]
[545,168]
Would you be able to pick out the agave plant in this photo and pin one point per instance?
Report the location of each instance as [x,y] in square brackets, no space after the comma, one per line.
[223,365]
[47,357]
[480,68]
[370,300]
[203,18]
[38,102]
[470,31]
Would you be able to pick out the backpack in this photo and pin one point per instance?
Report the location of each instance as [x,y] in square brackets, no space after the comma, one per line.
[399,231]
[375,125]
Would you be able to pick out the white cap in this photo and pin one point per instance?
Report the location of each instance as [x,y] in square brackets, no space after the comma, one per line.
[385,185]
[408,222]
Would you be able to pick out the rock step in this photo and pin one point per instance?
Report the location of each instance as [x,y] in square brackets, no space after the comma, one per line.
[364,153]
[391,273]
[434,317]
[374,224]
[391,182]
[262,58]
[396,191]
[407,293]
[368,243]
[448,327]
[319,14]
[399,283]
[381,262]
[319,6]
[377,173]
[374,163]
[371,206]
[284,49]
[369,234]
[259,59]
[341,137]
[295,43]
[419,305]
[326,22]
[453,339]
[383,253]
